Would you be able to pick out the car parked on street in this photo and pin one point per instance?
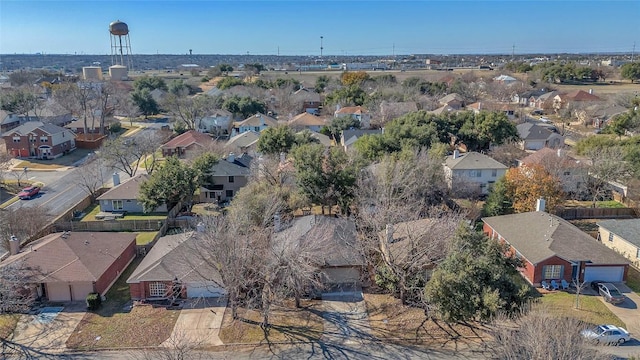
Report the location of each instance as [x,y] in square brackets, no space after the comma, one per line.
[610,293]
[606,334]
[29,192]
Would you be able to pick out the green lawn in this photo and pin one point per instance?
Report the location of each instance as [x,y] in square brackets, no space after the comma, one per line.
[588,204]
[145,237]
[93,210]
[591,310]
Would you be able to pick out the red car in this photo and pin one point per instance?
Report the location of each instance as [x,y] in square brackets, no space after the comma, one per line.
[29,192]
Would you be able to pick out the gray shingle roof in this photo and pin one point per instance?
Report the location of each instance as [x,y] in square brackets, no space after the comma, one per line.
[529,131]
[128,189]
[538,236]
[628,229]
[337,237]
[239,167]
[176,256]
[473,161]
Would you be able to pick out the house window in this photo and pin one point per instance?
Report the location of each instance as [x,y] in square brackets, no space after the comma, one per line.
[475,173]
[16,139]
[32,139]
[494,172]
[116,204]
[229,193]
[157,289]
[552,271]
[638,254]
[610,236]
[257,128]
[43,139]
[567,173]
[231,179]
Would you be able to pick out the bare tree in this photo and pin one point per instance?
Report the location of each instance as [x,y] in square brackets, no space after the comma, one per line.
[127,154]
[401,191]
[507,154]
[89,101]
[179,346]
[579,285]
[91,177]
[539,335]
[12,223]
[607,165]
[188,109]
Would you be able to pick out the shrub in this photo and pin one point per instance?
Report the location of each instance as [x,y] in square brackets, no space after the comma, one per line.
[93,301]
[115,127]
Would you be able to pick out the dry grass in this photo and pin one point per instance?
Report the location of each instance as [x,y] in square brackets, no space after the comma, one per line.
[288,324]
[8,323]
[592,310]
[600,88]
[393,322]
[143,326]
[633,279]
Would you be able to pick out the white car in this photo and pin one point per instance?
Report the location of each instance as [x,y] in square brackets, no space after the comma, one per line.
[606,334]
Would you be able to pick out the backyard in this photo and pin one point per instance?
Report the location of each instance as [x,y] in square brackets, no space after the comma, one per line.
[93,210]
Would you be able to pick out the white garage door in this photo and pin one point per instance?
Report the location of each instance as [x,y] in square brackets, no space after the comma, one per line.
[58,292]
[604,273]
[204,289]
[81,290]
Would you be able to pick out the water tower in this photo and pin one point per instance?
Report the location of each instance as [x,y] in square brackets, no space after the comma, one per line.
[120,46]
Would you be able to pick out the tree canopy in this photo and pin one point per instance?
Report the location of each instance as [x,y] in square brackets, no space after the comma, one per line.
[243,106]
[349,78]
[347,95]
[524,185]
[630,71]
[173,182]
[476,280]
[276,140]
[150,83]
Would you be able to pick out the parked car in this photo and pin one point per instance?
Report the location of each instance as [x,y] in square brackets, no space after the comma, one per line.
[595,284]
[29,192]
[606,334]
[610,293]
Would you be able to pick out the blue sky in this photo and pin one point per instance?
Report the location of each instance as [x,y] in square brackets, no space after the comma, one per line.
[347,27]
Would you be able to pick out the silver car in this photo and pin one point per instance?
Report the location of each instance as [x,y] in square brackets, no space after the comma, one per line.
[610,293]
[606,334]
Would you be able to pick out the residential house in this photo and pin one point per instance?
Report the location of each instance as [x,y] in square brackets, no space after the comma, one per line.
[123,197]
[472,169]
[551,248]
[355,112]
[321,138]
[175,260]
[308,121]
[217,121]
[257,123]
[67,266]
[535,137]
[349,137]
[544,101]
[527,98]
[93,127]
[442,110]
[245,142]
[332,242]
[225,178]
[186,142]
[507,109]
[561,101]
[9,121]
[38,140]
[311,101]
[600,114]
[622,236]
[505,79]
[453,100]
[572,173]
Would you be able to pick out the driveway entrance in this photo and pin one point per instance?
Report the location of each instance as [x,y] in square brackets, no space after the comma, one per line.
[346,320]
[628,311]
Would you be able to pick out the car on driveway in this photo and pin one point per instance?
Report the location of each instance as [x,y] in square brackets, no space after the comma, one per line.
[595,284]
[29,192]
[610,293]
[606,334]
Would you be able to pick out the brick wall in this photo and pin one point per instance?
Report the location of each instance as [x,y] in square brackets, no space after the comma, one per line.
[116,269]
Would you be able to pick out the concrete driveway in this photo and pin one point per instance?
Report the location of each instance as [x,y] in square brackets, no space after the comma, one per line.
[52,333]
[345,316]
[628,311]
[198,323]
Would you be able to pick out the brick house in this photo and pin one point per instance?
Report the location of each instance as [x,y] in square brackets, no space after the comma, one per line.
[68,266]
[554,249]
[173,261]
[35,139]
[185,142]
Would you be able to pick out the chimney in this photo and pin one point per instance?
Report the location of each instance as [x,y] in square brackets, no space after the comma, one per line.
[389,232]
[14,245]
[116,179]
[591,91]
[276,222]
[540,204]
[456,153]
[559,152]
[231,158]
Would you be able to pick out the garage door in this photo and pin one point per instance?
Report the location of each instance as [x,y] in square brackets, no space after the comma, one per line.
[604,273]
[81,290]
[58,292]
[204,289]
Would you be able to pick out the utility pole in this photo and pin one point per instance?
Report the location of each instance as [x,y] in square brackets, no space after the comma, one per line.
[321,48]
[633,52]
[513,51]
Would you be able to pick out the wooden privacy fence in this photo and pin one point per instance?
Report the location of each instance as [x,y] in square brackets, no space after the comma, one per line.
[596,213]
[111,225]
